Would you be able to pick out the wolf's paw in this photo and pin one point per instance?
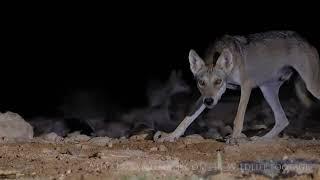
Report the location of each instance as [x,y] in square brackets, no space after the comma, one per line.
[164,137]
[237,140]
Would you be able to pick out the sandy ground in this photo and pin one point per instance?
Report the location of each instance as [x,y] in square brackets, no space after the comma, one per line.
[80,157]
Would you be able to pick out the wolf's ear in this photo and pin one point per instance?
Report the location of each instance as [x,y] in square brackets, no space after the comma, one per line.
[196,63]
[225,61]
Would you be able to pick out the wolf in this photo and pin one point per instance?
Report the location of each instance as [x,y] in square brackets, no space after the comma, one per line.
[262,60]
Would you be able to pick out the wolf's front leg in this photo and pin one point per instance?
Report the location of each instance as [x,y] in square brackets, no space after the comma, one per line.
[179,131]
[238,122]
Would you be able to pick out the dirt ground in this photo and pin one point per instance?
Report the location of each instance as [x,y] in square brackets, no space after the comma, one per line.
[82,157]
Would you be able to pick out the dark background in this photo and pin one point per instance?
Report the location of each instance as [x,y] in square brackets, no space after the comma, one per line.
[47,53]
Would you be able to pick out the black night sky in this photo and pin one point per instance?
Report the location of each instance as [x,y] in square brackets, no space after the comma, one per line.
[48,53]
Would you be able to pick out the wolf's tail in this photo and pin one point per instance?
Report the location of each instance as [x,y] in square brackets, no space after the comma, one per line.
[302,92]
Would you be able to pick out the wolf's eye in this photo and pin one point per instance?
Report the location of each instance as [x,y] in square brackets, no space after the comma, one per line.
[201,83]
[218,82]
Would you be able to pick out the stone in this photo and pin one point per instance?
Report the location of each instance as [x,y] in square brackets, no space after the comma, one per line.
[13,125]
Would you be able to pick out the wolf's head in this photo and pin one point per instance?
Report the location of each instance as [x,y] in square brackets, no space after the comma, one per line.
[211,79]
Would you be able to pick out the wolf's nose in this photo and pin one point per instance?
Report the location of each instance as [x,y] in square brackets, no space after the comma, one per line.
[208,101]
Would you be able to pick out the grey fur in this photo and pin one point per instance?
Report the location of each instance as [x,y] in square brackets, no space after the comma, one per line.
[263,60]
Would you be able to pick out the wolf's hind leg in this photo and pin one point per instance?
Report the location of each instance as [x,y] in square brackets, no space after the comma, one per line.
[271,94]
[309,70]
[313,86]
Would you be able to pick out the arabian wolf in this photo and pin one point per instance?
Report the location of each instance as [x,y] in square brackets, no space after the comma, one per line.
[263,60]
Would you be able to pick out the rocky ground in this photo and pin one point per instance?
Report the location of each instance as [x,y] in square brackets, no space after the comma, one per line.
[29,151]
[81,157]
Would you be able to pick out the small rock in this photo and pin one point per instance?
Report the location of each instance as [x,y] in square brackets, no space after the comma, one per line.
[163,148]
[110,144]
[139,136]
[100,141]
[195,136]
[285,157]
[142,133]
[154,149]
[77,137]
[123,140]
[68,171]
[52,137]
